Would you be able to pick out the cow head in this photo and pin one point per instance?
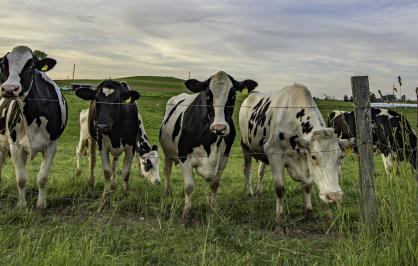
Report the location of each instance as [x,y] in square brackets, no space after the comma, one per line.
[324,152]
[219,97]
[150,165]
[17,69]
[108,98]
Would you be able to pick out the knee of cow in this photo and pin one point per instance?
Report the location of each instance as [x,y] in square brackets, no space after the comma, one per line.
[42,181]
[307,188]
[214,184]
[279,191]
[107,174]
[21,182]
[189,188]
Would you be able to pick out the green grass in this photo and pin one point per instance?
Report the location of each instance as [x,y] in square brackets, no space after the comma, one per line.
[146,228]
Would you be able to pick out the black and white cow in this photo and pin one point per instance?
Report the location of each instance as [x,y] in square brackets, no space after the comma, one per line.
[113,124]
[33,115]
[285,129]
[197,131]
[393,136]
[148,161]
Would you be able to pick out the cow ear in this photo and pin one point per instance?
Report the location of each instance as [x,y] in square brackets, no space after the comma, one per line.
[147,165]
[346,144]
[130,96]
[45,64]
[86,94]
[247,84]
[154,148]
[196,86]
[125,85]
[302,145]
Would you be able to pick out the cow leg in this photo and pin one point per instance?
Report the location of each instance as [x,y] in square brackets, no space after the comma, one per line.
[261,169]
[168,166]
[107,173]
[126,170]
[19,157]
[115,163]
[388,163]
[92,164]
[214,183]
[3,155]
[276,164]
[308,210]
[247,172]
[189,186]
[42,178]
[79,152]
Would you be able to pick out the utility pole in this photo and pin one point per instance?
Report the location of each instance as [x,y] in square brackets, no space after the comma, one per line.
[73,71]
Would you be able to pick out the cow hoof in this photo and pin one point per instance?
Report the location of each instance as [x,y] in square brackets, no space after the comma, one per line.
[167,192]
[187,217]
[249,194]
[258,192]
[309,216]
[77,172]
[41,204]
[113,186]
[126,192]
[21,204]
[104,205]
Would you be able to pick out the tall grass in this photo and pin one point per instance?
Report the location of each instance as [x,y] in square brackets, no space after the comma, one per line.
[395,241]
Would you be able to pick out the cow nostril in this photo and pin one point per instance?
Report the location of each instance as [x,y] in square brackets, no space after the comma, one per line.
[16,89]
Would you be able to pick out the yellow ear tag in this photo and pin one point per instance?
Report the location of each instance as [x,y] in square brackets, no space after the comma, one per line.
[244,92]
[348,151]
[128,100]
[44,68]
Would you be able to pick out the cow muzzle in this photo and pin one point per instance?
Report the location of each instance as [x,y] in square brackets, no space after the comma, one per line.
[220,129]
[332,197]
[103,128]
[10,90]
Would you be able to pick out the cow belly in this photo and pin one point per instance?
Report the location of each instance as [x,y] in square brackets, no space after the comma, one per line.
[107,146]
[207,165]
[35,138]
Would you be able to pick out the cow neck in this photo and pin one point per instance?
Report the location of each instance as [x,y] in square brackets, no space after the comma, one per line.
[196,123]
[144,146]
[314,123]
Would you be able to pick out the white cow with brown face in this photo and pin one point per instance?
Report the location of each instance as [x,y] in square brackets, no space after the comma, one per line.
[286,130]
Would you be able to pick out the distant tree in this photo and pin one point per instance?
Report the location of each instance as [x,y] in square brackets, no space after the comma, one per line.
[345,99]
[373,98]
[389,97]
[351,99]
[40,54]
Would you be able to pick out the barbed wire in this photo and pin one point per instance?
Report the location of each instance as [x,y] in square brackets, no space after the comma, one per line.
[195,105]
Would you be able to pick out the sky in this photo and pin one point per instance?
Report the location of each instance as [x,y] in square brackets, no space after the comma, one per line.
[320,44]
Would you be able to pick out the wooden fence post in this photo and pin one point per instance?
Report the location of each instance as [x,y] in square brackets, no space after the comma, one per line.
[362,112]
[416,151]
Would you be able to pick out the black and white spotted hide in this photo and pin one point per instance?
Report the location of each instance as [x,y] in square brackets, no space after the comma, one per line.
[197,131]
[286,130]
[113,124]
[33,115]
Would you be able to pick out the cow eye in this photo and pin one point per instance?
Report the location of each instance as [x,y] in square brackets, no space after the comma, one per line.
[313,157]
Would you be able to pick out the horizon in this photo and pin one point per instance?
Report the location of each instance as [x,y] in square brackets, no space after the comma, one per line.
[319,44]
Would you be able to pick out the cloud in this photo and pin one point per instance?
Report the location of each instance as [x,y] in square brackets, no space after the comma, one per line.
[318,43]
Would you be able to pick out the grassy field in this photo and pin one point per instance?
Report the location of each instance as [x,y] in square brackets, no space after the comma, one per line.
[146,228]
